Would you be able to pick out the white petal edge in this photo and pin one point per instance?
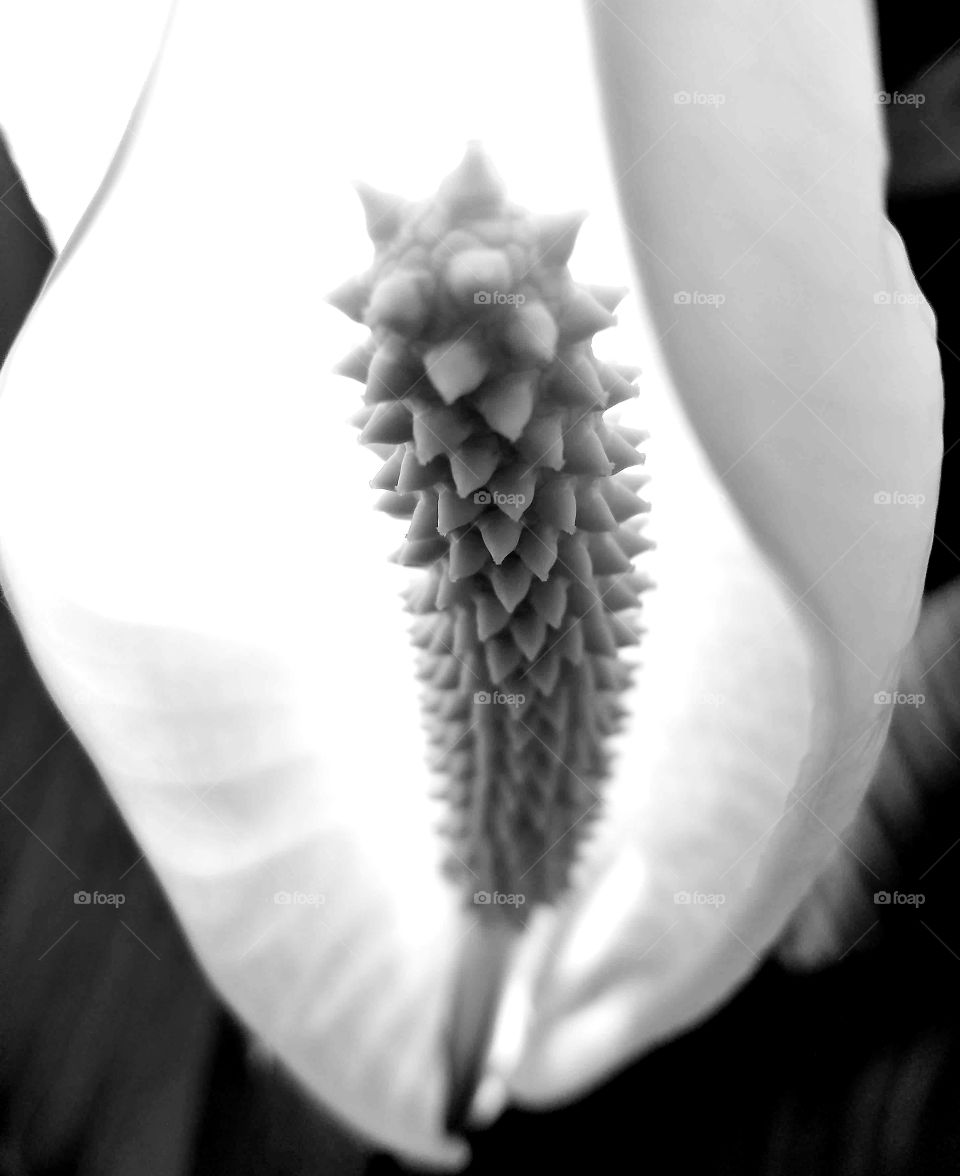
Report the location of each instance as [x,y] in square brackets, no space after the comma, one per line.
[752,164]
[69,76]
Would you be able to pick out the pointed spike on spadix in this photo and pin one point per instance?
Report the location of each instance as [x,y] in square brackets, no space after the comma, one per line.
[582,315]
[356,364]
[351,297]
[609,297]
[557,235]
[384,211]
[474,185]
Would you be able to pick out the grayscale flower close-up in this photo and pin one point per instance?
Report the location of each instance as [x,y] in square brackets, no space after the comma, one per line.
[481,661]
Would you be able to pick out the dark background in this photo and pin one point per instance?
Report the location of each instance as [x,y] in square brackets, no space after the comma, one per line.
[116,1058]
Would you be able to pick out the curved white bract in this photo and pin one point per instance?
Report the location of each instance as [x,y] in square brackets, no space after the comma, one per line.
[69,76]
[191,550]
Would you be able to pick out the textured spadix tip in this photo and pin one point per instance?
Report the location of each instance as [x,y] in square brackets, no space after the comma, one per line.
[487,403]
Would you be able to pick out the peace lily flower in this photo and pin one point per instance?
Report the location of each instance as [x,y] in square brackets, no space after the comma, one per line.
[203,583]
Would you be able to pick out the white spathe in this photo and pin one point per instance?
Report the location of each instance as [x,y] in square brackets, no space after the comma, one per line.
[189,544]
